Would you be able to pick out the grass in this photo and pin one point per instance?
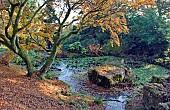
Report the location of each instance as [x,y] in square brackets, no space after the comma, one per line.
[145,73]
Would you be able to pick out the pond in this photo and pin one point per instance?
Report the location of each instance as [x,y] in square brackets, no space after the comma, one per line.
[79,83]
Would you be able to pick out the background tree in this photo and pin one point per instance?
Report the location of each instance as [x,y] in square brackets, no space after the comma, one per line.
[147,34]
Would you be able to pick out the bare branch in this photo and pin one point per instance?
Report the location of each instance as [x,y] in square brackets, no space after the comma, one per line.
[67,13]
[68,35]
[70,22]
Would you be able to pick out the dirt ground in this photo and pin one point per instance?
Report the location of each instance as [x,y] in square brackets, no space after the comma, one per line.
[17,92]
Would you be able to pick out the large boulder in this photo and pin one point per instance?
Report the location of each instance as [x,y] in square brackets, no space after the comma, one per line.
[106,76]
[156,94]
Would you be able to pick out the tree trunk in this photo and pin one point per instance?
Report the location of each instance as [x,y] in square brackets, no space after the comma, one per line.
[27,60]
[45,68]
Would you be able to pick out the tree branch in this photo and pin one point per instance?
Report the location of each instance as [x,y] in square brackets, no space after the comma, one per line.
[10,2]
[92,11]
[34,15]
[6,44]
[67,36]
[11,12]
[67,14]
[2,42]
[47,50]
[15,26]
[19,13]
[70,22]
[18,43]
[4,38]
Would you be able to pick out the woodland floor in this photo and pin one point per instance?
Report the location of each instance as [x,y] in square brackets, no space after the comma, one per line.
[17,92]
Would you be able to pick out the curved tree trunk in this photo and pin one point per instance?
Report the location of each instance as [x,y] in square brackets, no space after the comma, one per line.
[23,55]
[27,60]
[45,68]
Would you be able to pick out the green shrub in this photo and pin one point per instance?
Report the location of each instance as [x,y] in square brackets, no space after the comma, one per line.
[84,51]
[18,60]
[75,47]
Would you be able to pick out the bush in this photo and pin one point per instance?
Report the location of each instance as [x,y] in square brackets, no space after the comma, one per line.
[52,74]
[75,47]
[84,51]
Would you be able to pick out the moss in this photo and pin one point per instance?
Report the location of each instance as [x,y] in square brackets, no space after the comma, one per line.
[98,100]
[52,74]
[144,74]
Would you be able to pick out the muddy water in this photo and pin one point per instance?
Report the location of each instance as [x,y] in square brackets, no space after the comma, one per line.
[79,84]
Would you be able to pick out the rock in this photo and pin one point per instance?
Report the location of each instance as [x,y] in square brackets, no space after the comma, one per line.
[164,106]
[160,79]
[156,95]
[157,79]
[153,94]
[106,76]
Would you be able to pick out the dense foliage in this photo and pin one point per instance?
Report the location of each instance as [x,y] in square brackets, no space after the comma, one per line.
[147,40]
[147,35]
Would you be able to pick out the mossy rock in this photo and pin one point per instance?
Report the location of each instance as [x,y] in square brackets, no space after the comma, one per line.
[160,79]
[156,93]
[106,76]
[157,79]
